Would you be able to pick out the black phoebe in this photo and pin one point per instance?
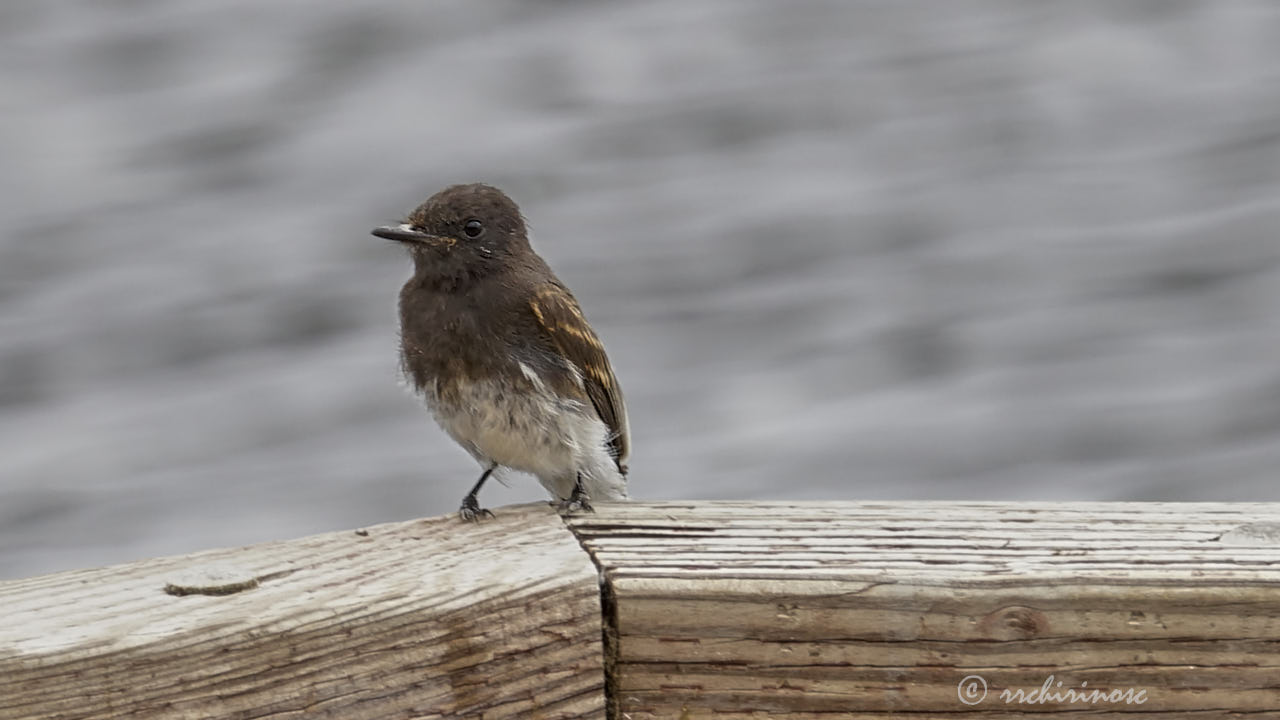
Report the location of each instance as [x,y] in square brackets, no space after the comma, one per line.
[501,352]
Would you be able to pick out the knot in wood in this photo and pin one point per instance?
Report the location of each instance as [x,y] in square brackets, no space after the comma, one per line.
[1015,622]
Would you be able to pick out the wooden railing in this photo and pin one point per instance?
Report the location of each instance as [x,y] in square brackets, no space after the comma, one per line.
[678,610]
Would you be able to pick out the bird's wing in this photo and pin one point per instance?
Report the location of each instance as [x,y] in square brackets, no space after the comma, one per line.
[562,322]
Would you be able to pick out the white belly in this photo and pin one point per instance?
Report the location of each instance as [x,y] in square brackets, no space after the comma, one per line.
[534,432]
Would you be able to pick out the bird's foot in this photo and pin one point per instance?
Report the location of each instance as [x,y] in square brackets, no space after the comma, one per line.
[577,502]
[573,505]
[471,510]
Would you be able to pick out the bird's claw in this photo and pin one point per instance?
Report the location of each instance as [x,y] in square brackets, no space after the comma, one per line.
[577,502]
[471,510]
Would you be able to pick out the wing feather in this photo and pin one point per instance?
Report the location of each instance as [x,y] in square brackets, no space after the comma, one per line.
[563,323]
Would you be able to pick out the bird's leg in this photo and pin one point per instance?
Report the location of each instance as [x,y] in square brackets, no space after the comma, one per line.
[471,510]
[578,499]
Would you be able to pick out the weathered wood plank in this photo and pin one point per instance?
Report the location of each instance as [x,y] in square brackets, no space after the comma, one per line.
[777,610]
[424,619]
[859,610]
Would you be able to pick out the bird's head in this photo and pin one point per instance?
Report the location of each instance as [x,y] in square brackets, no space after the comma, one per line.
[461,228]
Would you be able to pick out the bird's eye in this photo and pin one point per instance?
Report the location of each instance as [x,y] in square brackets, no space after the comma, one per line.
[473,228]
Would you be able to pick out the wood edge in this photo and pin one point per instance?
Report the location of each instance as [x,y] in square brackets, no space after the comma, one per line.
[608,625]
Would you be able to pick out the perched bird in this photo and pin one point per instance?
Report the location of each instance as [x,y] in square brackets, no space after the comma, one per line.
[502,354]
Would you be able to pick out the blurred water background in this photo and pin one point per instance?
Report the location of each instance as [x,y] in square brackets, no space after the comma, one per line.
[837,250]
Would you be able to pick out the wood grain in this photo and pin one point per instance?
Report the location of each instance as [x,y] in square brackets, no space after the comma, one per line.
[424,619]
[865,610]
[725,610]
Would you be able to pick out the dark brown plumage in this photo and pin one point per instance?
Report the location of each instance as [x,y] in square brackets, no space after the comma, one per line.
[502,353]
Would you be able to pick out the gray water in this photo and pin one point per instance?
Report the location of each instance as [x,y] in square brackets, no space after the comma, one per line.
[837,250]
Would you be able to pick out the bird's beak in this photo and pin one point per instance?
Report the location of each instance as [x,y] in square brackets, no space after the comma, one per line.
[405,233]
